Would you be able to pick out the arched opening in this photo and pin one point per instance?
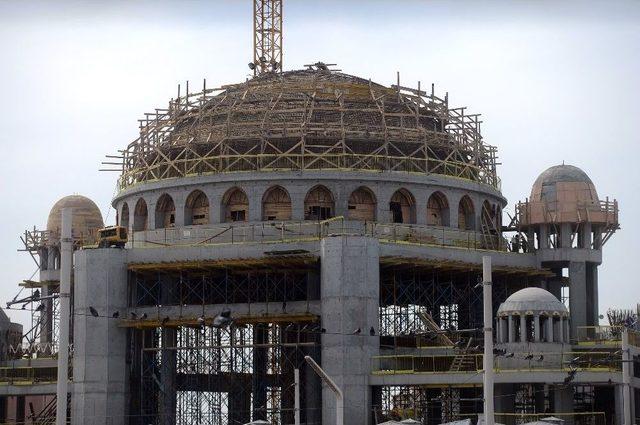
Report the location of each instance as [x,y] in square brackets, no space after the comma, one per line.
[437,210]
[276,204]
[124,216]
[196,210]
[403,207]
[466,214]
[362,205]
[165,212]
[235,205]
[318,205]
[140,216]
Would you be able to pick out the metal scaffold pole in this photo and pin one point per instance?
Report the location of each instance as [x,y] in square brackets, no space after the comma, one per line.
[66,255]
[488,341]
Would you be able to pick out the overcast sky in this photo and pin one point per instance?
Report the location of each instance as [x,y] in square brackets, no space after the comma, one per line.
[555,81]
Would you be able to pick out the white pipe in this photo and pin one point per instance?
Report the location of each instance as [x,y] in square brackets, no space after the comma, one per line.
[626,378]
[332,385]
[66,259]
[296,379]
[488,341]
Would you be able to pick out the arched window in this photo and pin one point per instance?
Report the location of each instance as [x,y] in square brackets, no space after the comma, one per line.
[318,205]
[437,210]
[403,207]
[276,204]
[124,216]
[362,205]
[235,205]
[165,212]
[196,211]
[140,216]
[466,214]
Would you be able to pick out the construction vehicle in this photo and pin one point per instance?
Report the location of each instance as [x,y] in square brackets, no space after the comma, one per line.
[112,236]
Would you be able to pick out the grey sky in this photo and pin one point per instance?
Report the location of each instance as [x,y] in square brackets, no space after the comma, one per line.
[554,81]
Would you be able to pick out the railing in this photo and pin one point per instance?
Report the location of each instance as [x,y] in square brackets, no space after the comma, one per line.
[418,411]
[11,375]
[464,363]
[297,231]
[599,335]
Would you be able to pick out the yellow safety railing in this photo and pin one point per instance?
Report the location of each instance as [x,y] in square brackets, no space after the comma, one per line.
[599,335]
[300,231]
[594,361]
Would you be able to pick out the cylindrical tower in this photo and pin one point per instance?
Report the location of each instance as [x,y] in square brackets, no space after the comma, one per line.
[567,224]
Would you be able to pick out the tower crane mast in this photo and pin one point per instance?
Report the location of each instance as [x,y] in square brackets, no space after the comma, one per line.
[267,36]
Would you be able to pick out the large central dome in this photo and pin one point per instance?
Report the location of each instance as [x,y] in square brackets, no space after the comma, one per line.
[308,119]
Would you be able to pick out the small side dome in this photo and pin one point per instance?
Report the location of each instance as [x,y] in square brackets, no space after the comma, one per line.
[534,300]
[86,216]
[563,183]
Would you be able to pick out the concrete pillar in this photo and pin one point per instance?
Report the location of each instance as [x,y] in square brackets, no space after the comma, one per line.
[46,334]
[578,296]
[512,329]
[523,328]
[550,329]
[543,237]
[618,397]
[350,297]
[561,330]
[563,401]
[259,376]
[565,235]
[100,389]
[586,236]
[597,238]
[167,409]
[504,331]
[536,328]
[565,331]
[151,215]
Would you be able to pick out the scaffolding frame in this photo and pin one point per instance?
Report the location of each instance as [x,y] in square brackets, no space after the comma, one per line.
[313,119]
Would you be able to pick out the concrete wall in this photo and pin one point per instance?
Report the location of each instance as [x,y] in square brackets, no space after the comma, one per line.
[350,299]
[100,390]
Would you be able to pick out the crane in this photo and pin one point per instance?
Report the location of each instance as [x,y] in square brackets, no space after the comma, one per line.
[267,36]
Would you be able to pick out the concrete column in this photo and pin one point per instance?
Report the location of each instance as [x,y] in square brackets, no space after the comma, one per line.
[350,297]
[46,334]
[597,238]
[563,401]
[550,329]
[536,328]
[100,392]
[561,330]
[578,296]
[151,215]
[512,328]
[565,235]
[167,409]
[618,397]
[454,203]
[565,331]
[586,235]
[504,332]
[543,237]
[523,328]
[179,203]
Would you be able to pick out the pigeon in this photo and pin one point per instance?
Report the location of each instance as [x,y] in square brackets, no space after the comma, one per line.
[222,320]
[323,330]
[510,355]
[93,311]
[134,315]
[528,356]
[41,307]
[116,314]
[165,321]
[144,316]
[541,358]
[372,331]
[357,331]
[201,321]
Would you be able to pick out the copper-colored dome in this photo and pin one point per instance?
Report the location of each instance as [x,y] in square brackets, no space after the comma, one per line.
[563,183]
[86,216]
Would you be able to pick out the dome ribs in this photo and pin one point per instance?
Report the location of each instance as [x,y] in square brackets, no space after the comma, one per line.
[308,119]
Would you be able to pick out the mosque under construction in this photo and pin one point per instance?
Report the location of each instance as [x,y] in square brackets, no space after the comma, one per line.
[315,214]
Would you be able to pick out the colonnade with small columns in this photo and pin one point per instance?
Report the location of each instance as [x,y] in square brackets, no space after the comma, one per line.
[534,327]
